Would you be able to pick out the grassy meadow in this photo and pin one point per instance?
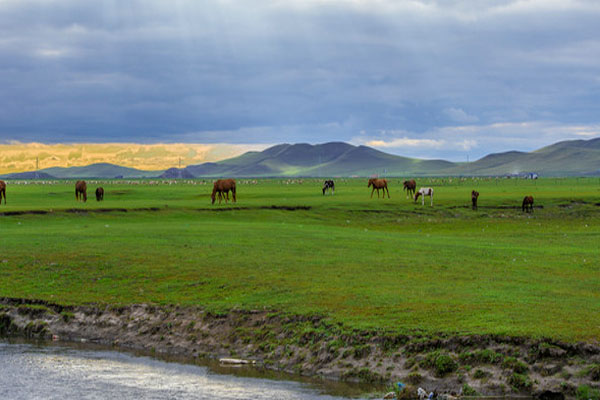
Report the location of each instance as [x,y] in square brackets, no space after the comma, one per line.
[365,262]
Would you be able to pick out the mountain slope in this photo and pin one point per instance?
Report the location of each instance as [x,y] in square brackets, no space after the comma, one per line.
[567,158]
[329,159]
[572,157]
[100,170]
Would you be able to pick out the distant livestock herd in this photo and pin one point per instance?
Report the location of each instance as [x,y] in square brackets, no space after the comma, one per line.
[222,187]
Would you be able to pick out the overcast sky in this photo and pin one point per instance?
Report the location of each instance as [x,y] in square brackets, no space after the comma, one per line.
[432,79]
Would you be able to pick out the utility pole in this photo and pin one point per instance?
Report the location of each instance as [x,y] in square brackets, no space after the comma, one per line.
[179,162]
[37,163]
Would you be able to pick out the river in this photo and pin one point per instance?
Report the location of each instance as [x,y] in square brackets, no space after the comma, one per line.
[30,371]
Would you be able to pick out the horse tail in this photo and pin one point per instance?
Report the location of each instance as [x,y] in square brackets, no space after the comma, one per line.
[233,192]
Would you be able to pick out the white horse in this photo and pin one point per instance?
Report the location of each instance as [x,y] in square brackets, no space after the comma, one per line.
[424,192]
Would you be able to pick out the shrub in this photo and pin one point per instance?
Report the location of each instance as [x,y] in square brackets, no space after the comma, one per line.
[67,316]
[414,378]
[480,374]
[519,381]
[514,364]
[440,363]
[585,392]
[362,351]
[469,391]
[594,372]
[485,356]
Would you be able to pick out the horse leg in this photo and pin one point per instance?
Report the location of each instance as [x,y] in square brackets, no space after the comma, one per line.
[373,191]
[388,191]
[431,196]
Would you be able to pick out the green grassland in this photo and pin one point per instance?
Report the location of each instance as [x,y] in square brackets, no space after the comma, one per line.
[369,263]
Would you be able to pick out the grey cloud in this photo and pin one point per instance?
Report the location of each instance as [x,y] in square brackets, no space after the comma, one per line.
[292,71]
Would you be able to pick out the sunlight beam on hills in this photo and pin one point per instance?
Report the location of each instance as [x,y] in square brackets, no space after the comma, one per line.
[20,157]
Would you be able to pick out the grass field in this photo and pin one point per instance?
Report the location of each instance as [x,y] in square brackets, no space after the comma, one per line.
[365,262]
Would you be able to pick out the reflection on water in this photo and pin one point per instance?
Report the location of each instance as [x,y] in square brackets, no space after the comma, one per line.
[29,372]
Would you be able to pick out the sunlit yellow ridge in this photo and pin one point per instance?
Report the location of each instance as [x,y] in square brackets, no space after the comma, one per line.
[20,157]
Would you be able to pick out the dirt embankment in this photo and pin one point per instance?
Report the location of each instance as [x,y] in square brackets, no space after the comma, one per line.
[312,345]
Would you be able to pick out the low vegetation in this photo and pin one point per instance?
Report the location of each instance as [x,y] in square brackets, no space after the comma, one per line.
[368,263]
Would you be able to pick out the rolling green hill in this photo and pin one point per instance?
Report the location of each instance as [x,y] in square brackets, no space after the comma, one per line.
[567,158]
[329,159]
[100,170]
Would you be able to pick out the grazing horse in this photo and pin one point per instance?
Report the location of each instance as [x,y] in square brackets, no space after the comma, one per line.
[379,184]
[223,186]
[81,191]
[328,185]
[100,194]
[474,196]
[424,192]
[527,204]
[2,191]
[410,187]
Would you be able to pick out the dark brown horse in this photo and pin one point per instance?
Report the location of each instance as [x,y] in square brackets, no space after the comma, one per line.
[410,187]
[527,204]
[379,184]
[222,187]
[100,194]
[2,191]
[81,191]
[474,196]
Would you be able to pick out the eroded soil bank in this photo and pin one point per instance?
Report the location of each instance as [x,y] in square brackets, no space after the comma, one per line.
[314,346]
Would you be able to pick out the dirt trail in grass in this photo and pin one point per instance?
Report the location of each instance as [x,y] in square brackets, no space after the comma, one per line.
[314,346]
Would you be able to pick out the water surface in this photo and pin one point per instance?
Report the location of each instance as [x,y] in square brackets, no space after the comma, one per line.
[29,371]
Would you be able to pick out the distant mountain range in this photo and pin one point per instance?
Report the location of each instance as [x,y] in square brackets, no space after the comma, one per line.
[568,158]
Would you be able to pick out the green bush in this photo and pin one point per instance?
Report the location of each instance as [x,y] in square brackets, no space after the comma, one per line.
[519,381]
[594,372]
[480,374]
[516,365]
[414,378]
[585,392]
[485,356]
[469,391]
[440,363]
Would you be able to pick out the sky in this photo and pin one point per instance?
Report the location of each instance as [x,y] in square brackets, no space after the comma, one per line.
[452,79]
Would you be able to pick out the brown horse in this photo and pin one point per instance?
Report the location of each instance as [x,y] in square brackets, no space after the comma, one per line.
[2,191]
[527,204]
[474,196]
[222,187]
[100,194]
[379,184]
[410,187]
[81,191]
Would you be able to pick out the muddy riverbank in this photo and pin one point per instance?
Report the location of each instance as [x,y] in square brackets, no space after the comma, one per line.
[314,346]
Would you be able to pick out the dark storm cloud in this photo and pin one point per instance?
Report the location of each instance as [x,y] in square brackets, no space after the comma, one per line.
[444,77]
